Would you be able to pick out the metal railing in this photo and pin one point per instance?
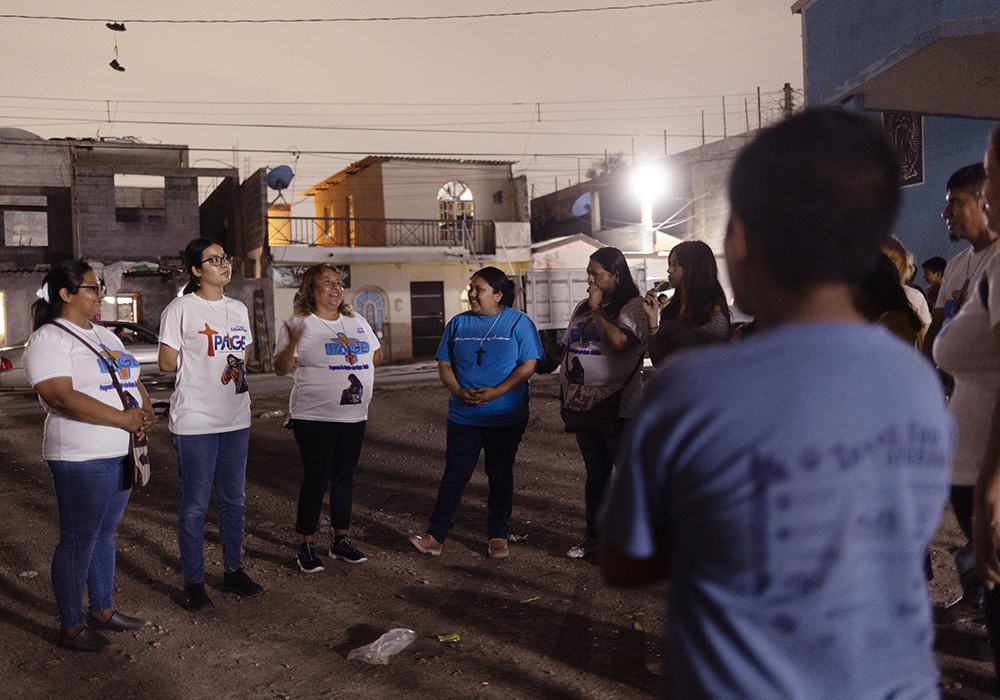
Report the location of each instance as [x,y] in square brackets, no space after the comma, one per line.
[475,236]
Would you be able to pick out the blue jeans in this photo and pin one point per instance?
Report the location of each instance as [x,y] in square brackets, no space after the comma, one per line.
[465,442]
[204,461]
[91,502]
[599,459]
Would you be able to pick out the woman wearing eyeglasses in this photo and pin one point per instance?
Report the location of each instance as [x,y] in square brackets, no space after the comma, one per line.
[203,337]
[68,360]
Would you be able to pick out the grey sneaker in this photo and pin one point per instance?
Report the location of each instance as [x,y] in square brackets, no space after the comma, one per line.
[308,559]
[347,552]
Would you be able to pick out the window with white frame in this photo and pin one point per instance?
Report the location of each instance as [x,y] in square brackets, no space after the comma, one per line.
[455,210]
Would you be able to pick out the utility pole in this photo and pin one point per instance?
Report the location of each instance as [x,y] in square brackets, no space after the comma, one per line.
[786,107]
[724,134]
[746,112]
[702,127]
[579,178]
[758,107]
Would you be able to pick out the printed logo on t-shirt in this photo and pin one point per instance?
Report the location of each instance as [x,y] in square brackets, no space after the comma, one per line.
[958,297]
[119,359]
[584,334]
[353,393]
[218,342]
[235,372]
[349,347]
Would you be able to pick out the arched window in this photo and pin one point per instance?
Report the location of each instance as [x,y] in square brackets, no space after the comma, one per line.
[371,305]
[455,211]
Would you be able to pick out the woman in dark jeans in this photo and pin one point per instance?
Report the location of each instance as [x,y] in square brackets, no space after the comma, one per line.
[334,353]
[485,359]
[605,342]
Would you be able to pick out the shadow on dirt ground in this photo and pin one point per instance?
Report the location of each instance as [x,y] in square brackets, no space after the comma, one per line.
[535,625]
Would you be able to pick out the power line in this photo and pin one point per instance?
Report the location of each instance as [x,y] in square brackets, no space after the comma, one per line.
[402,18]
[328,127]
[532,104]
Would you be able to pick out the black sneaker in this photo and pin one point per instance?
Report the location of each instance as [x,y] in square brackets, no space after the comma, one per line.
[239,583]
[346,551]
[308,559]
[195,598]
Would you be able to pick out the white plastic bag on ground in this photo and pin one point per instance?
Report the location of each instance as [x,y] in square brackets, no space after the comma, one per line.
[379,651]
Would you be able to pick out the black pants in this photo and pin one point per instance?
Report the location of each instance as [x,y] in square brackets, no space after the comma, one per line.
[330,453]
[465,442]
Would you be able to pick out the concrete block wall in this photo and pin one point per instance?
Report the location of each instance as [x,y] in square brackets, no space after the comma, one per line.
[103,238]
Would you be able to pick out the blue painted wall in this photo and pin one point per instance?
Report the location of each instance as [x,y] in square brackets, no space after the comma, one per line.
[849,41]
[846,39]
[949,144]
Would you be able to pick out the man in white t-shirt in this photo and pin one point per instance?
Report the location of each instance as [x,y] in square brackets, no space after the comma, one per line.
[965,214]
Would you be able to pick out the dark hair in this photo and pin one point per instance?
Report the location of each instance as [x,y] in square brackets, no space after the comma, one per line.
[305,299]
[935,264]
[612,260]
[882,292]
[700,291]
[192,258]
[994,143]
[818,192]
[499,283]
[67,275]
[969,179]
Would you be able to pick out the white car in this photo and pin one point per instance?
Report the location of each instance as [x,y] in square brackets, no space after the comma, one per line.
[141,343]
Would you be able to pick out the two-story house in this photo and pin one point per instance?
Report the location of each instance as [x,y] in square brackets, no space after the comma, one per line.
[407,234]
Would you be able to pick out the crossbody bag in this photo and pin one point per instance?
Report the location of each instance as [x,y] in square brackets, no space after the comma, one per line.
[136,464]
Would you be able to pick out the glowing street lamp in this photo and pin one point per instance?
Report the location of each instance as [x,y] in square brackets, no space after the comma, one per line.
[649,182]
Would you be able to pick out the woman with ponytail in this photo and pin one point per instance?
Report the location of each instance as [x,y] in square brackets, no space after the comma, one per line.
[203,337]
[68,361]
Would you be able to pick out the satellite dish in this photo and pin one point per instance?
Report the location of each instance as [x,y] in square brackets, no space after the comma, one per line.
[279,178]
[581,207]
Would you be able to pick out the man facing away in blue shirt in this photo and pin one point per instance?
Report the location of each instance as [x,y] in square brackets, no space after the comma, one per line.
[789,484]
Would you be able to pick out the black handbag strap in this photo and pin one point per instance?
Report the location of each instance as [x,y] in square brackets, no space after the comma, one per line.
[111,369]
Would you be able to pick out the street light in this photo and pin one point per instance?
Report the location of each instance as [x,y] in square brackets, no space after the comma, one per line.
[649,182]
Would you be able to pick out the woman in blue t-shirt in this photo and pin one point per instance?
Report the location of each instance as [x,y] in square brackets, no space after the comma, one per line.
[485,359]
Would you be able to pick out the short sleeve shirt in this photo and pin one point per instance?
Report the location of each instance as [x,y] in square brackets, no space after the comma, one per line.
[506,340]
[590,362]
[52,352]
[960,274]
[334,368]
[966,350]
[800,475]
[210,392]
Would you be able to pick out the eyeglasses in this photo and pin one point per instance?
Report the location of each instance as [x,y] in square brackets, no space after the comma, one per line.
[217,260]
[97,288]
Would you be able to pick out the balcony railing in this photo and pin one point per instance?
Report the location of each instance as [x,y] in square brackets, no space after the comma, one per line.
[475,236]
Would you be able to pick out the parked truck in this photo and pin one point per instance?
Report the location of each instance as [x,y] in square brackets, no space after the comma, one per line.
[549,298]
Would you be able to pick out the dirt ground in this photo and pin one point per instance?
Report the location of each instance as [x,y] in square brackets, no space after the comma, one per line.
[536,625]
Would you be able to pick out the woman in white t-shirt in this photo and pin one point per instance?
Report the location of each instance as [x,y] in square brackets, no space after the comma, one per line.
[605,345]
[203,337]
[86,439]
[334,353]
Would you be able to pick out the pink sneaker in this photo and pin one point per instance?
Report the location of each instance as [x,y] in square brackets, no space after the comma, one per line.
[498,549]
[426,544]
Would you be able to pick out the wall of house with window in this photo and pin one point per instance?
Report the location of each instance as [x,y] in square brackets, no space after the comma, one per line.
[357,197]
[412,186]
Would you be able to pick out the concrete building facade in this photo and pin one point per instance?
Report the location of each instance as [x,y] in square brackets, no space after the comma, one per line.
[407,233]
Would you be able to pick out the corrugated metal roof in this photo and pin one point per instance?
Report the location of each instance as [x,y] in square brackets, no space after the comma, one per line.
[360,165]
